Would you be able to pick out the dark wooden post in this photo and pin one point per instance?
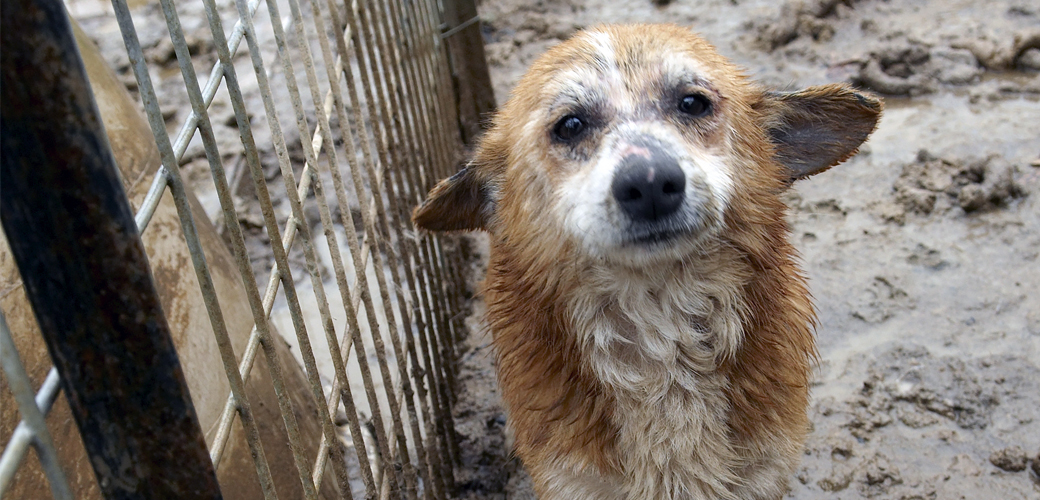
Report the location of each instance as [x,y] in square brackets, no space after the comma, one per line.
[474,93]
[73,236]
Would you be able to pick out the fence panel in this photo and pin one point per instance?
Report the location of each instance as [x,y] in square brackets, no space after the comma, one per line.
[371,308]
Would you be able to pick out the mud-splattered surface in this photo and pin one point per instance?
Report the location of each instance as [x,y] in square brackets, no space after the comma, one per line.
[922,251]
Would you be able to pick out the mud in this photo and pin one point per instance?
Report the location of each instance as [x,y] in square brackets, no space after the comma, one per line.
[921,251]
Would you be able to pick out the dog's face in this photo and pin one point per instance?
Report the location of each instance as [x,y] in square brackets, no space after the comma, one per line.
[639,143]
[635,135]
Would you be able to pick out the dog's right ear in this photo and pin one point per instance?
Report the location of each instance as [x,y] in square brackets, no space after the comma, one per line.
[461,202]
[818,127]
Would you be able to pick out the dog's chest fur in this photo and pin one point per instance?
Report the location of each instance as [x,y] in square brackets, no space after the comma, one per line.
[655,339]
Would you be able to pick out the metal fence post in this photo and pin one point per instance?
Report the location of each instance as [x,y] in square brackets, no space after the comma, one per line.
[473,91]
[84,267]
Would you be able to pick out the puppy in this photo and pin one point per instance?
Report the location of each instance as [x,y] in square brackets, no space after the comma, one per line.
[653,329]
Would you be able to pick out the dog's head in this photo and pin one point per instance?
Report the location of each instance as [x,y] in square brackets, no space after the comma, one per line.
[638,143]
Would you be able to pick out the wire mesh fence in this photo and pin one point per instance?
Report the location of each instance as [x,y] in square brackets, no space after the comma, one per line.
[370,307]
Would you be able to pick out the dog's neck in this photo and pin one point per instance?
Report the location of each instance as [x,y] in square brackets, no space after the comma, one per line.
[662,323]
[655,338]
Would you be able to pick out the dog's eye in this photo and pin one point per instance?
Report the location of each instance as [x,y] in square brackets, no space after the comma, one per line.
[569,128]
[695,105]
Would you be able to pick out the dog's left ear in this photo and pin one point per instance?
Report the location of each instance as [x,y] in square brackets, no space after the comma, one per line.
[819,127]
[466,201]
[461,202]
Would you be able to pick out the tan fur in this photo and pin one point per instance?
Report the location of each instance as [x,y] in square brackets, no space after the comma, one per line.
[679,371]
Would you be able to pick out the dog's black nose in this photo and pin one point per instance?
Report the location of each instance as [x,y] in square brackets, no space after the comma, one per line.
[650,187]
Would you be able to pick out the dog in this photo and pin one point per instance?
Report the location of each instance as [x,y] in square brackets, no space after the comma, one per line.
[653,329]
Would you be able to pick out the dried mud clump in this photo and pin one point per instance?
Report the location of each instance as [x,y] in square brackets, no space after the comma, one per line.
[880,300]
[910,68]
[1011,459]
[839,479]
[881,475]
[1003,55]
[933,185]
[919,390]
[801,18]
[163,53]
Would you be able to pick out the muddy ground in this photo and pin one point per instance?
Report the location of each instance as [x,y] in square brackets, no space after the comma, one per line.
[921,251]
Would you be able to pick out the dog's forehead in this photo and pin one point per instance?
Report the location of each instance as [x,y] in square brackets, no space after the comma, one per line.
[629,58]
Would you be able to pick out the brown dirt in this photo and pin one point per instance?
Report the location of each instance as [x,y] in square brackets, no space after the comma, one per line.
[922,251]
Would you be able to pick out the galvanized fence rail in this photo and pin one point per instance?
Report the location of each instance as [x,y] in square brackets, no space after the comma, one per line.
[386,111]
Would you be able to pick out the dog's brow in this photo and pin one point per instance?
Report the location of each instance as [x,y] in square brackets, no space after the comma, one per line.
[604,54]
[681,70]
[577,95]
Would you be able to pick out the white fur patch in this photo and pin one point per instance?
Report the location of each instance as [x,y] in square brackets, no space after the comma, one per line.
[716,171]
[655,338]
[566,480]
[679,66]
[604,47]
[608,75]
[585,204]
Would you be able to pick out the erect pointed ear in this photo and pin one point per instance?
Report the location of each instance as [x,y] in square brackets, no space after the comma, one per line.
[459,203]
[819,127]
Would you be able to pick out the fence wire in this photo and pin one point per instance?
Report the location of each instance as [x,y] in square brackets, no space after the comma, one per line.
[32,430]
[379,105]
